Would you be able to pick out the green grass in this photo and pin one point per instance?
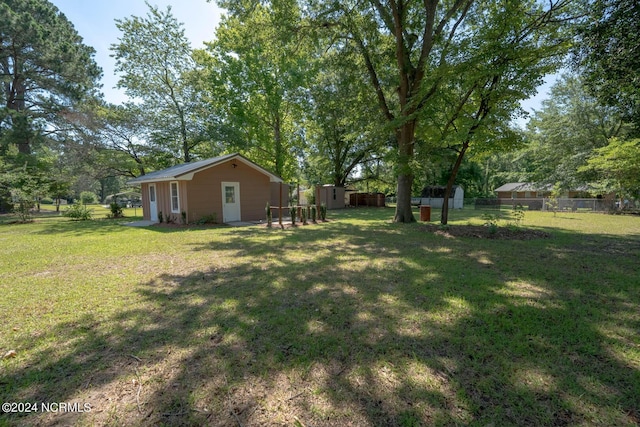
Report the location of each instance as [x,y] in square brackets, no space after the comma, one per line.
[357,321]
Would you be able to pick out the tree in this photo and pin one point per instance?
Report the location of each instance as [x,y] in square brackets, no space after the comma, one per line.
[45,70]
[519,45]
[608,55]
[410,50]
[341,137]
[155,60]
[617,167]
[121,129]
[257,68]
[564,133]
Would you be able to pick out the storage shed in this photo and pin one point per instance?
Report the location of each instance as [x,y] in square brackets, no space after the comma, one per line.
[332,196]
[434,197]
[230,187]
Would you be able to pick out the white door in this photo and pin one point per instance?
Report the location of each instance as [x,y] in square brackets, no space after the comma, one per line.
[153,204]
[230,201]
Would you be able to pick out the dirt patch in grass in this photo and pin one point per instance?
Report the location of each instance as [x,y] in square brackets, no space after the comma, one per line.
[485,232]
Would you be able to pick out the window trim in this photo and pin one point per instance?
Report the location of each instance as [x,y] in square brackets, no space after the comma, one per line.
[177,196]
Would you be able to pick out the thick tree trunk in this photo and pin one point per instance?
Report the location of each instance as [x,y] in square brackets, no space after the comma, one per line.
[444,217]
[406,136]
[403,206]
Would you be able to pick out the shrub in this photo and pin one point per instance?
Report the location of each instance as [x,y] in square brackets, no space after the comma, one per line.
[78,212]
[323,211]
[160,218]
[46,201]
[208,219]
[518,215]
[491,221]
[88,197]
[292,211]
[313,213]
[184,217]
[267,210]
[116,211]
[303,216]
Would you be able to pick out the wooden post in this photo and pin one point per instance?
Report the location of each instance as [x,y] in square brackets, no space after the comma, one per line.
[280,208]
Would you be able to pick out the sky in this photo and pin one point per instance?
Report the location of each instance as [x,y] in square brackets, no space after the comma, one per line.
[95,22]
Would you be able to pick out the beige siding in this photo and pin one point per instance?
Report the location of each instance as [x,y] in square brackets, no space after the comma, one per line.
[204,191]
[327,194]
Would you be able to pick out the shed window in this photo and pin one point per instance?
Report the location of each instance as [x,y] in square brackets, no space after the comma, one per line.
[230,194]
[175,198]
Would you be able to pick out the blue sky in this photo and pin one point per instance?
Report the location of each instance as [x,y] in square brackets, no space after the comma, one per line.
[95,22]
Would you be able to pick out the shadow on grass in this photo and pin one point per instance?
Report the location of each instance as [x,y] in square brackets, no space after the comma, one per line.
[357,325]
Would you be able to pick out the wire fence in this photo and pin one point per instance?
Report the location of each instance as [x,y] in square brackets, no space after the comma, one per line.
[549,204]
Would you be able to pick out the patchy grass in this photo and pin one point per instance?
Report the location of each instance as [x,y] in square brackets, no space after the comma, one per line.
[357,321]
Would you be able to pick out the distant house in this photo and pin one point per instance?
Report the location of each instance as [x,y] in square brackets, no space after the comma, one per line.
[529,190]
[231,187]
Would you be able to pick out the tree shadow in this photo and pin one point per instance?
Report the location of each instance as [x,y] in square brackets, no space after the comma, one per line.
[357,325]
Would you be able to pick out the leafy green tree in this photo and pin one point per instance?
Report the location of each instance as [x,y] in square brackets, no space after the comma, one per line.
[155,61]
[565,132]
[410,50]
[617,167]
[608,55]
[121,129]
[340,135]
[520,42]
[45,70]
[256,71]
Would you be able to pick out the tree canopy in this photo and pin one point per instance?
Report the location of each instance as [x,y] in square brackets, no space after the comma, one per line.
[45,71]
[154,59]
[607,54]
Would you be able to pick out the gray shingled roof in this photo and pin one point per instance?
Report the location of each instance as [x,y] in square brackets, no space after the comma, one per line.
[178,171]
[523,186]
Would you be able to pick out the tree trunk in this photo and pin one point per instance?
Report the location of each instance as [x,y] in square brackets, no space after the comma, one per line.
[444,217]
[405,174]
[278,146]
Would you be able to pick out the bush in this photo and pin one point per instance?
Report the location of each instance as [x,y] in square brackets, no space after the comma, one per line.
[88,198]
[116,211]
[292,211]
[78,212]
[267,210]
[323,212]
[208,219]
[46,201]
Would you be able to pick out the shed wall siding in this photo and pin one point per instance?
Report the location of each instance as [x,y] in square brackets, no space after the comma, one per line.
[205,193]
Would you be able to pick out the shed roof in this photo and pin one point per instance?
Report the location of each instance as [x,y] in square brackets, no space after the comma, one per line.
[185,171]
[524,186]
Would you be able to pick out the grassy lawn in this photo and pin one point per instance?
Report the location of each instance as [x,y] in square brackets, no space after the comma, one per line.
[357,321]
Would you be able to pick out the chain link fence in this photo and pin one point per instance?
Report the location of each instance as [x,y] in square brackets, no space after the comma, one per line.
[549,204]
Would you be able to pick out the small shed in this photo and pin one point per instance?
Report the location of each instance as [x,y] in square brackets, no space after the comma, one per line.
[332,196]
[367,199]
[434,197]
[230,188]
